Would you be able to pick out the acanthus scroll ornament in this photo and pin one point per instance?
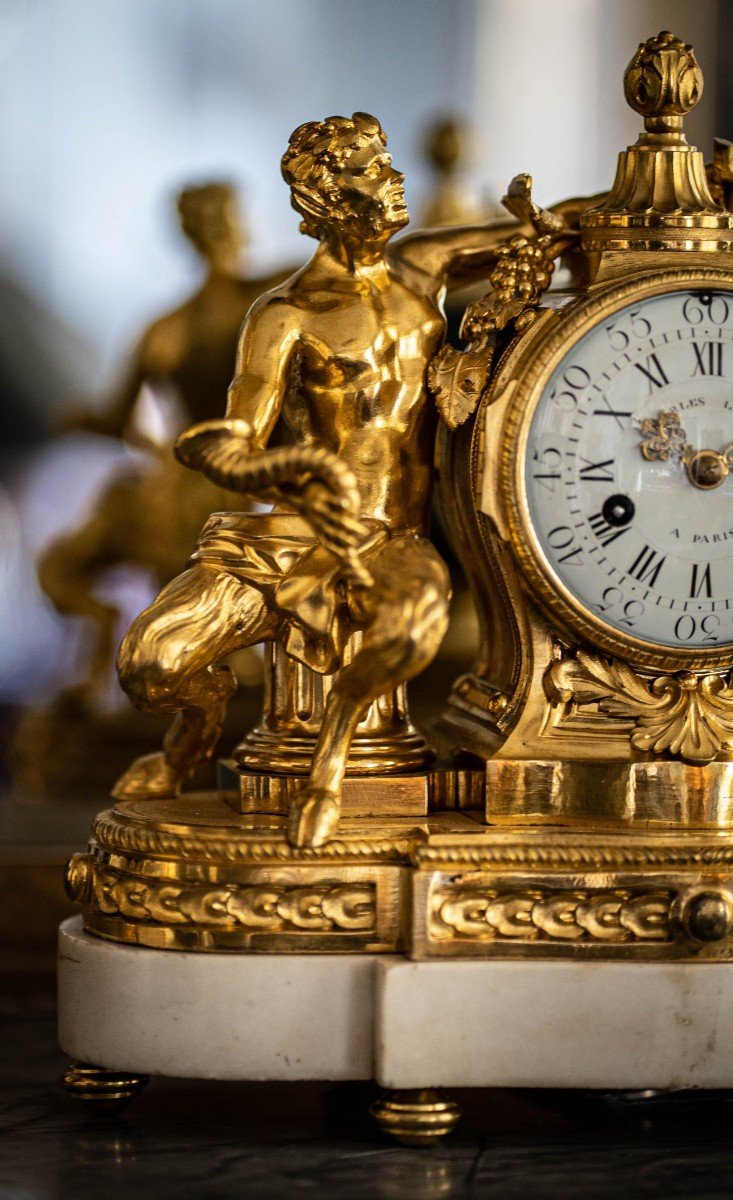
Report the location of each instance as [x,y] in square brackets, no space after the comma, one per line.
[686,715]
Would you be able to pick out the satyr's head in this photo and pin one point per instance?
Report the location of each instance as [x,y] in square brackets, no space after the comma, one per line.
[342,179]
[211,219]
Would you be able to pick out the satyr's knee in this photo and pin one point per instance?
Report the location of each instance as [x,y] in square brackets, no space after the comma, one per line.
[401,641]
[411,600]
[148,672]
[424,628]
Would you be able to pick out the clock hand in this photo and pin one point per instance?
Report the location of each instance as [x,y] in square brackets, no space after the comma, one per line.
[707,469]
[664,440]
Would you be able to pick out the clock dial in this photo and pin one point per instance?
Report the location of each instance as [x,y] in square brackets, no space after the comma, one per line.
[629,470]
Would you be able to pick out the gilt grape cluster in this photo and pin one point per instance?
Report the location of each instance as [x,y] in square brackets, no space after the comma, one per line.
[523,270]
[522,273]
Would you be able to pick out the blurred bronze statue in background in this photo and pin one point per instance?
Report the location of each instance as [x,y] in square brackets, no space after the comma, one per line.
[340,351]
[145,518]
[148,515]
[451,201]
[189,352]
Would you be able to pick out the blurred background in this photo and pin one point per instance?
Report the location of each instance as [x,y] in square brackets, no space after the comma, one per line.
[109,107]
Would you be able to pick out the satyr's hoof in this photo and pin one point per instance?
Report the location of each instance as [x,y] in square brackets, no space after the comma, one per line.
[314,818]
[149,778]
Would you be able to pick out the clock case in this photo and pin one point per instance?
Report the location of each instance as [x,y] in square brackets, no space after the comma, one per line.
[576,725]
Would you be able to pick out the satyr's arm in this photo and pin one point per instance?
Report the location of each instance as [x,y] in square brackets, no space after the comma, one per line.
[267,346]
[456,255]
[231,451]
[222,448]
[461,254]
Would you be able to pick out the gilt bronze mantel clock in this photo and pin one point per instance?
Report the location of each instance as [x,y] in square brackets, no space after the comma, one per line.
[580,806]
[597,520]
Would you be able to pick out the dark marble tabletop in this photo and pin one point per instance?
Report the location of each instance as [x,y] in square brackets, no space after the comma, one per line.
[192,1140]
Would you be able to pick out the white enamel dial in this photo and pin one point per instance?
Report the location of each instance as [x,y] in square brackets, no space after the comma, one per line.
[627,470]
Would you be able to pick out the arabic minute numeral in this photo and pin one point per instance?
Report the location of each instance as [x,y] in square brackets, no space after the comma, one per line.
[705,306]
[547,470]
[687,626]
[640,328]
[631,609]
[575,380]
[562,538]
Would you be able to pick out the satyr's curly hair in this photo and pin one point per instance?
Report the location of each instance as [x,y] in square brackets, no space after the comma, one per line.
[316,152]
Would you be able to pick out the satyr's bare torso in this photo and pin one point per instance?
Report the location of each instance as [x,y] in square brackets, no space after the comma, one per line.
[357,383]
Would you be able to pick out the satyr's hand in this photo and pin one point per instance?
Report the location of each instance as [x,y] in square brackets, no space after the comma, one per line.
[332,518]
[214,446]
[309,478]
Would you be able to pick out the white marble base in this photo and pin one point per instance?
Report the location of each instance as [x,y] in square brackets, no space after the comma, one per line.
[215,1016]
[555,1024]
[409,1025]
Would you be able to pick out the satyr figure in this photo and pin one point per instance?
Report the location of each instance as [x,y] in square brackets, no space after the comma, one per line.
[340,351]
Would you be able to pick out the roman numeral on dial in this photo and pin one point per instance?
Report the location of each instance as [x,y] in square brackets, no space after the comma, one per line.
[701,583]
[599,472]
[609,411]
[647,565]
[654,372]
[604,532]
[708,358]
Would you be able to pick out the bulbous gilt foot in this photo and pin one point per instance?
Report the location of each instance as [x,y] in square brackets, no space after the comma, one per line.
[314,818]
[150,777]
[416,1118]
[103,1091]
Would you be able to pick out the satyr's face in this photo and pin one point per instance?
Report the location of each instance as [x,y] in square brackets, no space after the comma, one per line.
[373,190]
